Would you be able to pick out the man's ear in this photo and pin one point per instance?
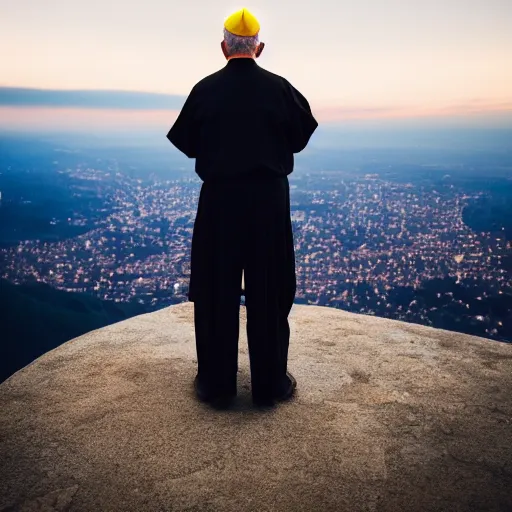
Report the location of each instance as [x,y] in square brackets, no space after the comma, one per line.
[224,51]
[259,50]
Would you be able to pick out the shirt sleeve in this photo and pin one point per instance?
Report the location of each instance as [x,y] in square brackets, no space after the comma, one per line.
[302,124]
[184,133]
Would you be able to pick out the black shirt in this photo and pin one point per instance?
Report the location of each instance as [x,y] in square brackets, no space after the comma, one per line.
[243,119]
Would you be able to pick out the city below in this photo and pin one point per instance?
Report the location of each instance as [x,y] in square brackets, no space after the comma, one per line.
[388,244]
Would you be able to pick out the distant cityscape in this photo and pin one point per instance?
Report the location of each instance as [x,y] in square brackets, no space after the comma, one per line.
[366,243]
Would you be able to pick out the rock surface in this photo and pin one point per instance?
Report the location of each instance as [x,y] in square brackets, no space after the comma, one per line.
[388,416]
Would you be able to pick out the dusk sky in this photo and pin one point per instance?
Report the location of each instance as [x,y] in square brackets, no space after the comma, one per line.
[364,59]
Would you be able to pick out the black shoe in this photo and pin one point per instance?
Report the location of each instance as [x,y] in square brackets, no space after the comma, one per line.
[222,400]
[288,389]
[283,393]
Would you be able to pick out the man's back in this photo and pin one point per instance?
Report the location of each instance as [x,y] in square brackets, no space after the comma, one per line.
[243,124]
[243,119]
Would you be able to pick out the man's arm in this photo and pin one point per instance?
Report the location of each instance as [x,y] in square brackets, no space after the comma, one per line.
[184,133]
[302,123]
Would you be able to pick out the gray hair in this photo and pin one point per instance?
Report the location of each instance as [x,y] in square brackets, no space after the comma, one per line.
[240,45]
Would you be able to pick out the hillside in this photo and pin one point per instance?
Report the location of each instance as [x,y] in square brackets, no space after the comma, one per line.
[37,318]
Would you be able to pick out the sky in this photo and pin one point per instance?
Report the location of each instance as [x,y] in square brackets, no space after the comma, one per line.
[364,60]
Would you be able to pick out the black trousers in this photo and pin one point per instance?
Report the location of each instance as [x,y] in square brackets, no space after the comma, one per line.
[243,224]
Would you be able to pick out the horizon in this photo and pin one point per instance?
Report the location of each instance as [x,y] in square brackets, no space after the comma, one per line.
[80,67]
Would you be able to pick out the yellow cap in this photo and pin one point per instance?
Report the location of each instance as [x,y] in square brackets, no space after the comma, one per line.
[242,23]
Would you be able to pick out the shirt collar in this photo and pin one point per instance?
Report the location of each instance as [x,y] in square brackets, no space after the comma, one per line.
[241,61]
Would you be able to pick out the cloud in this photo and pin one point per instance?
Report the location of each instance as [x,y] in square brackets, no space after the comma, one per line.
[126,110]
[89,99]
[474,107]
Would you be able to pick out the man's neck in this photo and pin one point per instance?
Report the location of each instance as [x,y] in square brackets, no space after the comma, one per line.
[240,57]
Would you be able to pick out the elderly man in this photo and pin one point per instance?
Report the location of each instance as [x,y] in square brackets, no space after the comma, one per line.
[243,124]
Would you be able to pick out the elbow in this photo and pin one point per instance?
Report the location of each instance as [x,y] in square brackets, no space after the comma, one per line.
[182,146]
[303,135]
[300,143]
[299,147]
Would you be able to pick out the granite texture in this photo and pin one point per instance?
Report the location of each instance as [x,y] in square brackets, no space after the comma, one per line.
[388,416]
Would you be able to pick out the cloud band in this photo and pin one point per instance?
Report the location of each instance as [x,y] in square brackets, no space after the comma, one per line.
[97,99]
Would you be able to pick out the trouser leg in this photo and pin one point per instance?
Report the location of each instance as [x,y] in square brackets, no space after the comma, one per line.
[217,297]
[266,265]
[216,329]
[268,335]
[264,333]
